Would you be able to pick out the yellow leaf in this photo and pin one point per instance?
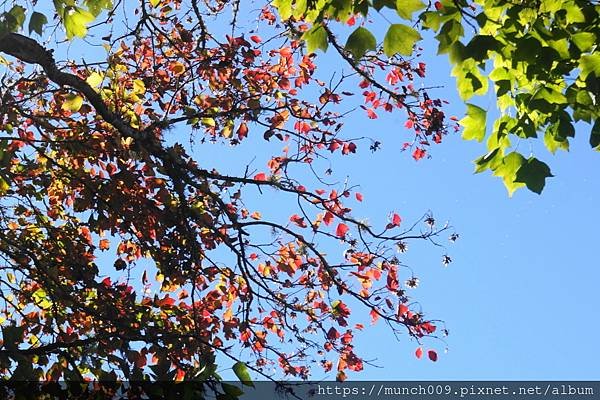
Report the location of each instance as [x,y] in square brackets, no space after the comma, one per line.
[154,3]
[4,186]
[11,277]
[139,87]
[72,103]
[33,339]
[210,122]
[95,79]
[227,131]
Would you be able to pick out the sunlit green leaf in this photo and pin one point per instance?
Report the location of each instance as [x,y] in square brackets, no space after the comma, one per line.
[241,371]
[316,38]
[588,64]
[75,20]
[400,39]
[474,123]
[507,170]
[406,8]
[97,6]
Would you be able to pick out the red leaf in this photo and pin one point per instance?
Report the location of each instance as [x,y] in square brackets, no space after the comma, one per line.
[432,355]
[332,334]
[396,220]
[409,124]
[255,39]
[298,220]
[419,353]
[374,316]
[418,154]
[328,218]
[260,177]
[402,309]
[438,5]
[242,131]
[106,281]
[359,196]
[341,230]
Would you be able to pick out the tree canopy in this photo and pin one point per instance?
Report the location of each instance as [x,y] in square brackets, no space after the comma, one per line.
[126,255]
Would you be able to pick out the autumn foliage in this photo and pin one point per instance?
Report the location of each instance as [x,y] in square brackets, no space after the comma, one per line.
[127,256]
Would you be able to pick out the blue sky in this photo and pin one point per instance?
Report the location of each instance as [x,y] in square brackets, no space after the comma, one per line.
[520,298]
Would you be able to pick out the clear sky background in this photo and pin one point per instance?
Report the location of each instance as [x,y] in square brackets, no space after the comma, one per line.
[520,298]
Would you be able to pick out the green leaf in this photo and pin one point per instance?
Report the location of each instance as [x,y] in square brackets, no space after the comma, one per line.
[488,161]
[469,79]
[18,13]
[75,20]
[574,14]
[400,39]
[12,336]
[379,4]
[340,9]
[241,371]
[553,141]
[527,49]
[316,38]
[9,24]
[474,123]
[232,390]
[406,8]
[97,6]
[72,103]
[533,173]
[479,46]
[595,135]
[300,8]
[551,95]
[37,22]
[584,40]
[451,31]
[589,64]
[507,170]
[359,42]
[431,20]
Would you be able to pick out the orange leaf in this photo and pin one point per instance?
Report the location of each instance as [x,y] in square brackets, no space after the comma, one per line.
[104,244]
